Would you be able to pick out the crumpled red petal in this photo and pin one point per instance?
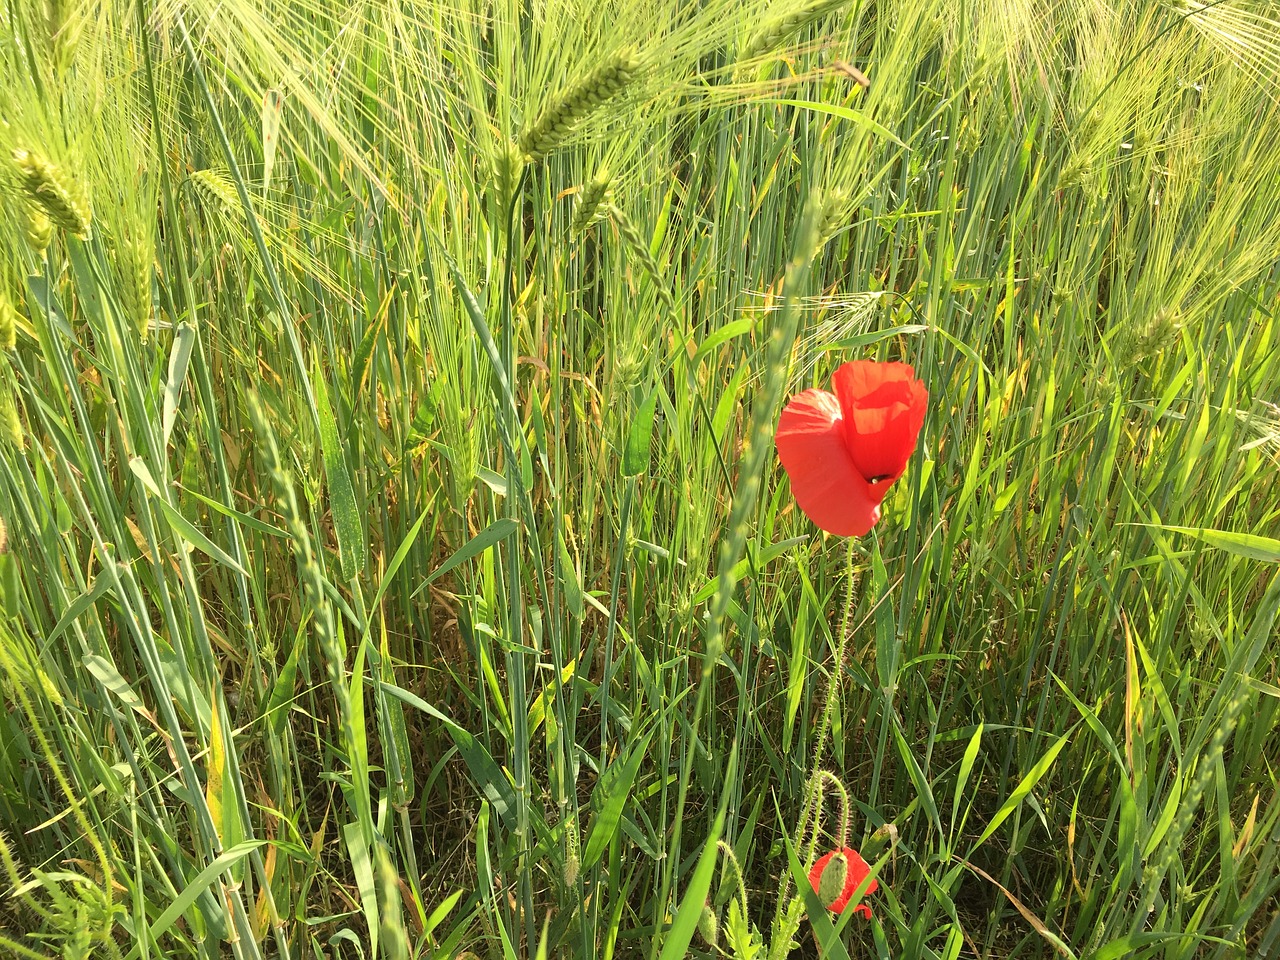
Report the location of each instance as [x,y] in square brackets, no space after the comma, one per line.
[883,407]
[824,481]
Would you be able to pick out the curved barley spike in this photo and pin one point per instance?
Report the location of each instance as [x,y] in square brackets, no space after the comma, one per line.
[561,116]
[594,197]
[777,30]
[62,198]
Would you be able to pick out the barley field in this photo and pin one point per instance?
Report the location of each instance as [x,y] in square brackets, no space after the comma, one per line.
[397,557]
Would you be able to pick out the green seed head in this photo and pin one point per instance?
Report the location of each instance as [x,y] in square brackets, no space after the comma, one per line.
[592,196]
[62,198]
[576,102]
[65,29]
[11,424]
[218,188]
[572,858]
[8,324]
[136,259]
[508,163]
[38,229]
[778,30]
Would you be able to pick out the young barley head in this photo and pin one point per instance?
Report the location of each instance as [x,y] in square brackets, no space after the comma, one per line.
[575,103]
[62,198]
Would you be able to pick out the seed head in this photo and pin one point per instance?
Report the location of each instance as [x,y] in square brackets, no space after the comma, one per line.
[777,30]
[11,423]
[835,212]
[592,195]
[508,163]
[572,858]
[572,105]
[8,324]
[136,264]
[65,28]
[218,188]
[37,228]
[61,197]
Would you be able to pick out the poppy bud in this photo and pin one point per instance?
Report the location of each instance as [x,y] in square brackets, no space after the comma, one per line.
[837,876]
[832,879]
[709,925]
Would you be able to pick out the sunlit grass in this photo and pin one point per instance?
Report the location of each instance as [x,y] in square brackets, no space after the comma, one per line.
[351,607]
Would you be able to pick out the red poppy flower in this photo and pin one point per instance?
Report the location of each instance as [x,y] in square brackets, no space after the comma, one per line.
[836,877]
[842,451]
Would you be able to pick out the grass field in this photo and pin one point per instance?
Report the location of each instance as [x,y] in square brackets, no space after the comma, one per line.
[397,562]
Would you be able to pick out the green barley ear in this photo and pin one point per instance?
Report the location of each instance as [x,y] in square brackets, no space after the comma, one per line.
[593,195]
[835,214]
[779,29]
[136,266]
[575,103]
[508,163]
[11,423]
[8,324]
[1150,338]
[640,250]
[218,188]
[37,228]
[65,28]
[62,198]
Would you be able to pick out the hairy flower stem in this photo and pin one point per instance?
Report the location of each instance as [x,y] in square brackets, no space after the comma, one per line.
[813,796]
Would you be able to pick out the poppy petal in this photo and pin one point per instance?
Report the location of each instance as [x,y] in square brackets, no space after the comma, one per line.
[824,480]
[883,407]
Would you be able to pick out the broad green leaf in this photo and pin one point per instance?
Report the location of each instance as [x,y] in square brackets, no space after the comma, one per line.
[487,774]
[78,606]
[570,588]
[746,565]
[1038,770]
[635,459]
[858,341]
[818,915]
[844,113]
[610,798]
[184,339]
[677,941]
[482,541]
[730,331]
[1250,545]
[106,674]
[193,890]
[342,498]
[180,524]
[361,859]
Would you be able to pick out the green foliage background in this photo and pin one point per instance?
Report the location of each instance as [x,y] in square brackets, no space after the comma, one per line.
[395,558]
